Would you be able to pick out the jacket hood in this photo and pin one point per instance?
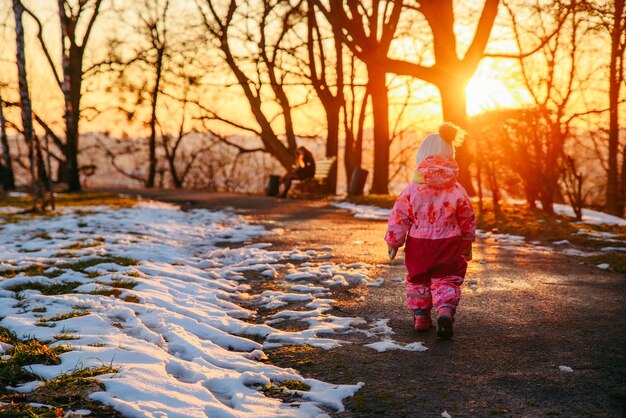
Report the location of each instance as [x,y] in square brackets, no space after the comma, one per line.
[438,171]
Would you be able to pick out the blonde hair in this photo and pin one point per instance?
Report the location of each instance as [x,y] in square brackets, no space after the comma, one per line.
[450,136]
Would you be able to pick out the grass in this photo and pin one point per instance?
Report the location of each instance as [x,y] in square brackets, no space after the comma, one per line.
[273,390]
[66,392]
[34,270]
[65,255]
[25,353]
[66,336]
[62,200]
[14,410]
[43,235]
[107,292]
[49,322]
[46,289]
[122,283]
[617,261]
[81,245]
[80,266]
[72,199]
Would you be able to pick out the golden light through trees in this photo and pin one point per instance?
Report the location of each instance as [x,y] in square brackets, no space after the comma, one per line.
[319,72]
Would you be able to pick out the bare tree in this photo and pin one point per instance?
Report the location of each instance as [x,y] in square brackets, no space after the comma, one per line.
[449,73]
[573,181]
[154,28]
[354,115]
[76,27]
[613,21]
[368,31]
[180,163]
[262,58]
[319,63]
[552,87]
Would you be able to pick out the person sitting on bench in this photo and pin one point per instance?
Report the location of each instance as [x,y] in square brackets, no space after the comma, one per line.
[303,169]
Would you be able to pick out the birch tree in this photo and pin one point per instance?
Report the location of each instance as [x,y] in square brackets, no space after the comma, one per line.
[26,108]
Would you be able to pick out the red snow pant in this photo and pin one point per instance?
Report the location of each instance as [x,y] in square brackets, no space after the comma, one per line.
[436,269]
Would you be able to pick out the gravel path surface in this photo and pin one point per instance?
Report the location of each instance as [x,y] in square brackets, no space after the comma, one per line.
[522,316]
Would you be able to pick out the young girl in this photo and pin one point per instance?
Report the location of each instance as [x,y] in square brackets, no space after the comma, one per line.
[436,213]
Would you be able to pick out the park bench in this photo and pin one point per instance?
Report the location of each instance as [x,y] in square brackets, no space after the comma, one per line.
[318,184]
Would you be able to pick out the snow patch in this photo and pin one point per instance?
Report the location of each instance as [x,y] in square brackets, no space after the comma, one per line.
[388,344]
[184,349]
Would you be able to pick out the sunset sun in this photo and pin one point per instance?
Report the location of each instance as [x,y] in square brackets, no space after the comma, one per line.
[485,93]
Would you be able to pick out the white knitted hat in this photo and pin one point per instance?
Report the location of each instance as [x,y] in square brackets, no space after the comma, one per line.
[449,137]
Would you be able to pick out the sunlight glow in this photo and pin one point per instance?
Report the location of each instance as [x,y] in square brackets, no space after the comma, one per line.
[485,93]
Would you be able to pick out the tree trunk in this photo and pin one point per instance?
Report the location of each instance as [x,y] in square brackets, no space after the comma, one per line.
[8,178]
[377,86]
[453,103]
[615,190]
[71,151]
[71,62]
[25,103]
[152,162]
[332,146]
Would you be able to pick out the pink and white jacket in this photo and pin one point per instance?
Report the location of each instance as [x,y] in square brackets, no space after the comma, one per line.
[433,206]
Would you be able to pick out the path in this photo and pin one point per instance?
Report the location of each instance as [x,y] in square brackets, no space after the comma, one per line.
[527,315]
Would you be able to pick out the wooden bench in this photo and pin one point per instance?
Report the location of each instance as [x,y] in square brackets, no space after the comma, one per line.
[318,184]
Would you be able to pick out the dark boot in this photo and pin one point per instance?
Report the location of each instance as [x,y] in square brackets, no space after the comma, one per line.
[444,327]
[445,319]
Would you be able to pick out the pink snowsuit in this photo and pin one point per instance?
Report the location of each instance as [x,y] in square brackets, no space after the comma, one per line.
[436,212]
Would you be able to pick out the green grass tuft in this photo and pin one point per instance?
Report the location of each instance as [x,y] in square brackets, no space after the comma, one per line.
[80,245]
[43,235]
[82,265]
[14,410]
[66,336]
[131,299]
[107,292]
[25,353]
[617,261]
[122,283]
[47,322]
[278,391]
[46,289]
[295,385]
[34,270]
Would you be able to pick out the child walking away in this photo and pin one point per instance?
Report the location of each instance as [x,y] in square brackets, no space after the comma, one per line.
[435,217]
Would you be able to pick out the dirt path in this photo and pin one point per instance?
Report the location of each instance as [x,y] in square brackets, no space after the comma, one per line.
[522,316]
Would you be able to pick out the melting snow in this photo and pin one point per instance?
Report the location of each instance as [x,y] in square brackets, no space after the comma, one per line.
[183,350]
[388,344]
[371,213]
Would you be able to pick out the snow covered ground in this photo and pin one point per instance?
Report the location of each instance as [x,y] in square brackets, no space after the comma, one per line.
[168,298]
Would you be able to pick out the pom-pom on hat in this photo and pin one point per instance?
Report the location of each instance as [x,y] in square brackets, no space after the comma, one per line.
[449,137]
